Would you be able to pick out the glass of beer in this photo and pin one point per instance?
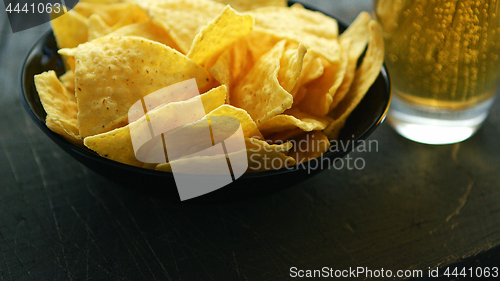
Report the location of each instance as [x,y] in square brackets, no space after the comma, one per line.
[443,60]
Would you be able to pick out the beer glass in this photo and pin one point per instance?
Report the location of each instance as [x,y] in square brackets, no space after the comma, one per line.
[443,60]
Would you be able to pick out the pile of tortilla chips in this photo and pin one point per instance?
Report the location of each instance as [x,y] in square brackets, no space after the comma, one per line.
[284,72]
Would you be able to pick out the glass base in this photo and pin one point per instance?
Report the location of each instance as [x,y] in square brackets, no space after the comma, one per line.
[430,125]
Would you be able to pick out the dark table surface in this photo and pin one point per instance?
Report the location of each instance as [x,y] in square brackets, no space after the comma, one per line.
[413,207]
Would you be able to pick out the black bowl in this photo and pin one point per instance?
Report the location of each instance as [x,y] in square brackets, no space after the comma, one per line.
[368,115]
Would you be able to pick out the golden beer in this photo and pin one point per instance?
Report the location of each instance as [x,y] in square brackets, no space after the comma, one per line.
[439,53]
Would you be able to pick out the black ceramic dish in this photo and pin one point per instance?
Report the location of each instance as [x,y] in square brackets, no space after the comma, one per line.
[369,114]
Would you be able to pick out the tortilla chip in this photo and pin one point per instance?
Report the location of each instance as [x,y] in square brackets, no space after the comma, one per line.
[68,81]
[264,157]
[224,121]
[214,98]
[249,127]
[70,29]
[147,30]
[111,14]
[133,15]
[112,73]
[104,1]
[247,5]
[163,123]
[309,146]
[117,144]
[259,92]
[205,165]
[207,137]
[220,33]
[182,19]
[231,65]
[283,136]
[312,69]
[358,34]
[320,93]
[56,102]
[291,67]
[261,157]
[97,27]
[291,120]
[316,30]
[366,74]
[260,42]
[56,128]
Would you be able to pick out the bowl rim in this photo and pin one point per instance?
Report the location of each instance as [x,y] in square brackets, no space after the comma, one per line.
[87,153]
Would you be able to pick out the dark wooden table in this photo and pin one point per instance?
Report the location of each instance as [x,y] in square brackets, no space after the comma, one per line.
[413,207]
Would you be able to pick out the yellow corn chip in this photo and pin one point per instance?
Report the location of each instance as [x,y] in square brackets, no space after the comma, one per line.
[110,13]
[212,165]
[97,27]
[264,157]
[300,95]
[112,73]
[312,69]
[214,98]
[232,64]
[188,137]
[247,5]
[261,157]
[259,92]
[318,31]
[320,93]
[248,126]
[220,33]
[68,52]
[293,119]
[183,19]
[56,102]
[104,1]
[365,76]
[70,29]
[147,30]
[68,57]
[68,80]
[309,146]
[193,137]
[283,136]
[56,128]
[260,42]
[291,67]
[358,34]
[117,144]
[133,15]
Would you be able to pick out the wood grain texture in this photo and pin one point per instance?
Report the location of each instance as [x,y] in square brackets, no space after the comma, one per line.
[412,207]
